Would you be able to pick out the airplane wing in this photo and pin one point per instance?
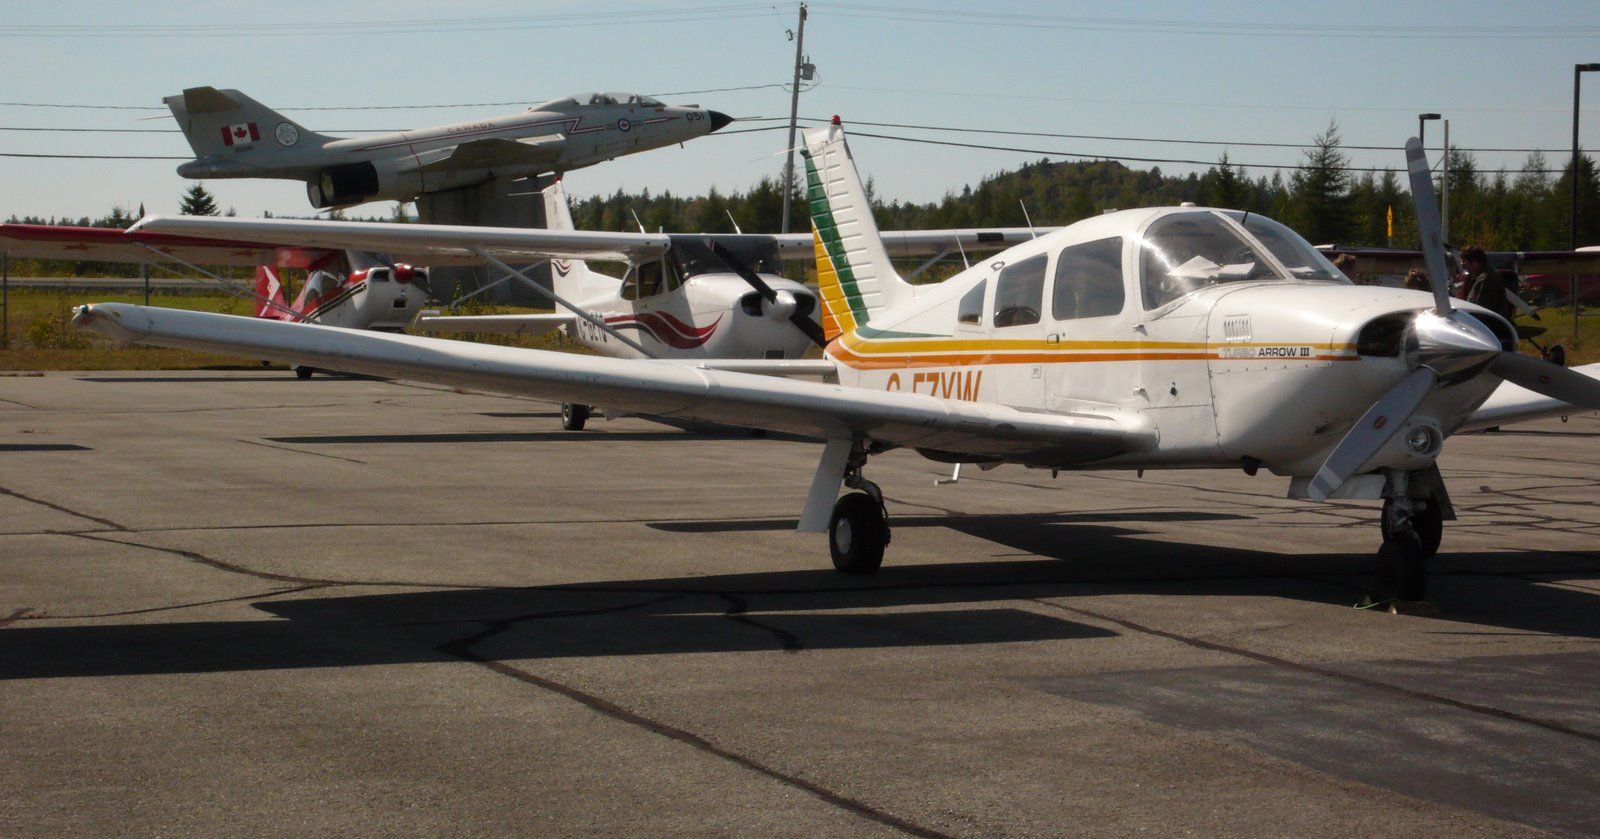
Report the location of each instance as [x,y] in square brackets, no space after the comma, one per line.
[1370,260]
[527,324]
[421,244]
[925,242]
[1512,403]
[109,244]
[974,431]
[819,367]
[492,152]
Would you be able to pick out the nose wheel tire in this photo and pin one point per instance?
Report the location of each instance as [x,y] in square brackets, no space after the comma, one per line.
[573,417]
[857,534]
[1427,520]
[304,372]
[1401,570]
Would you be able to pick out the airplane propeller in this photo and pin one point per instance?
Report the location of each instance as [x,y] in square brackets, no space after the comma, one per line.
[781,305]
[1443,343]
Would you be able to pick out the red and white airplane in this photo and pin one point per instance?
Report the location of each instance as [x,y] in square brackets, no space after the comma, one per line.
[1164,338]
[349,289]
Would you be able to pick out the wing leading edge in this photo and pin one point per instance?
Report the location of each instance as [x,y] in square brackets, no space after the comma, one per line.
[972,430]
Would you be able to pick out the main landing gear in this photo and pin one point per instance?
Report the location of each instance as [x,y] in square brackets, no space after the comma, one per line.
[573,417]
[1412,528]
[858,530]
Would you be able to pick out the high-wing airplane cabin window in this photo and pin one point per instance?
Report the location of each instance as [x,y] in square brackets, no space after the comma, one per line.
[1019,295]
[1089,280]
[970,309]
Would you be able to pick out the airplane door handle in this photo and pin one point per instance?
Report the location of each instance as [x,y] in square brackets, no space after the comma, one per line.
[1053,338]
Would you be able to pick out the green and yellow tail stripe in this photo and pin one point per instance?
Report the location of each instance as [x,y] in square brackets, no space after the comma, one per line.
[843,307]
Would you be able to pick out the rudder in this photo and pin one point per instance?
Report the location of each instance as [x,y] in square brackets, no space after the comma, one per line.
[216,121]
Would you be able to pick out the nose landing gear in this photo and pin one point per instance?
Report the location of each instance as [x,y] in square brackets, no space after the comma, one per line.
[1412,529]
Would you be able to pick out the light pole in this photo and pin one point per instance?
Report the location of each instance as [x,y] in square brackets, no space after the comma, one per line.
[1422,127]
[1572,220]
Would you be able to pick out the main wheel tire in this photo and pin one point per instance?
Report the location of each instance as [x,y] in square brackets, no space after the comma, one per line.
[573,417]
[1426,519]
[857,534]
[304,372]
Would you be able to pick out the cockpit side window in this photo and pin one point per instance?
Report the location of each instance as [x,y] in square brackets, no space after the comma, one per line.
[1187,251]
[970,309]
[1019,294]
[1089,280]
[1303,261]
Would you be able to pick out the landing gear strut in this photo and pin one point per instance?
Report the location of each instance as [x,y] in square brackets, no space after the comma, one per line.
[858,530]
[573,417]
[1412,529]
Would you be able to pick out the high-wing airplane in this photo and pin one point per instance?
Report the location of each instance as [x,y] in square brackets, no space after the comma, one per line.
[234,136]
[350,289]
[1165,338]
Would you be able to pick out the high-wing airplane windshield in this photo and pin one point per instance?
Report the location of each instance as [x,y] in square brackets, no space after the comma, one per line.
[1302,260]
[693,257]
[1184,252]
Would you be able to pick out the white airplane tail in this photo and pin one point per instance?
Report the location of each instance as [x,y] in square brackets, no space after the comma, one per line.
[854,274]
[227,121]
[570,278]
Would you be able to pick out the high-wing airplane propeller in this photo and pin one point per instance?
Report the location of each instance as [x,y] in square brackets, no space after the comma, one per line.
[1444,346]
[780,305]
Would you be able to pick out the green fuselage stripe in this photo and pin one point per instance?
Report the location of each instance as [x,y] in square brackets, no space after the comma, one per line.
[828,231]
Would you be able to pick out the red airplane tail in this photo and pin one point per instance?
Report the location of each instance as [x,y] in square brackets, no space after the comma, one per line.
[270,302]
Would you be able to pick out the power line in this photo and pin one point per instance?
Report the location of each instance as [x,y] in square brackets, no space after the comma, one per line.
[923,14]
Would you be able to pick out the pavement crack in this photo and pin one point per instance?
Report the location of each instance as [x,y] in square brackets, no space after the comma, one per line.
[1325,672]
[15,616]
[463,649]
[737,608]
[300,451]
[60,509]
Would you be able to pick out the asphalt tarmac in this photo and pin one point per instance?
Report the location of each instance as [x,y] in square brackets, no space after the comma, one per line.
[239,603]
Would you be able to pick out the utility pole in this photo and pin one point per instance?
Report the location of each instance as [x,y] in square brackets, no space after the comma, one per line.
[794,116]
[1444,195]
[5,301]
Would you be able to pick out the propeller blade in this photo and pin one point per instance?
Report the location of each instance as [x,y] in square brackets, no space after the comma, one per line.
[1549,379]
[1428,223]
[802,322]
[1375,428]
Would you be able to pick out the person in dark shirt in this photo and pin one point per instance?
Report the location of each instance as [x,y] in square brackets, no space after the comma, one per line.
[1417,280]
[1484,286]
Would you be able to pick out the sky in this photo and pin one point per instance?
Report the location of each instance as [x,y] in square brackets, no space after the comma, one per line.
[1226,72]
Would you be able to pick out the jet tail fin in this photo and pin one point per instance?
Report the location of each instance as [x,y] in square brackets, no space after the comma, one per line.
[217,121]
[270,302]
[854,274]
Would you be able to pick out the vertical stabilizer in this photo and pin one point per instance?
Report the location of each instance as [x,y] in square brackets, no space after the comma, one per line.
[270,302]
[571,278]
[854,274]
[227,121]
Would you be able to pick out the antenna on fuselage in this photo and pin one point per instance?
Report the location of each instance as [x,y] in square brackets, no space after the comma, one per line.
[963,251]
[637,221]
[1031,231]
[732,221]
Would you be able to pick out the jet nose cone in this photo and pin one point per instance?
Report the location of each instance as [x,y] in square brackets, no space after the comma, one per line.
[718,119]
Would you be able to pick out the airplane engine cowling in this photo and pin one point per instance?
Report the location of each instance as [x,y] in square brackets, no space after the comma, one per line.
[355,183]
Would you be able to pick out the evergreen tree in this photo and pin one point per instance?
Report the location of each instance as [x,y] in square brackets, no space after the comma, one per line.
[1320,207]
[198,202]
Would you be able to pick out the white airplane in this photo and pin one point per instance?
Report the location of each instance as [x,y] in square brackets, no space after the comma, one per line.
[717,298]
[1169,338]
[349,289]
[234,136]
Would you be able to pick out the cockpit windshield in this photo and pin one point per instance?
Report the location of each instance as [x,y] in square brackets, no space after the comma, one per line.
[597,99]
[1187,251]
[1302,260]
[691,256]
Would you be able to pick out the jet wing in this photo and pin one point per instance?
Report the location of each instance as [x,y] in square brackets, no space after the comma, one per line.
[1512,403]
[422,244]
[974,431]
[925,242]
[109,244]
[528,324]
[492,153]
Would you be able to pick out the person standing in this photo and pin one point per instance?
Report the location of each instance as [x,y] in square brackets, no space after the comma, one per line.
[1484,286]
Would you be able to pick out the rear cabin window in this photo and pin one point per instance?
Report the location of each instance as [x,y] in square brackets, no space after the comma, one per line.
[1019,295]
[970,309]
[1089,280]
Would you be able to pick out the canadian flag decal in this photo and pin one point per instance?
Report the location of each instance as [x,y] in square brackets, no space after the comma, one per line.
[243,134]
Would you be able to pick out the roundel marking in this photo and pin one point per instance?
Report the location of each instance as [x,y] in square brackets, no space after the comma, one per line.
[624,125]
[287,134]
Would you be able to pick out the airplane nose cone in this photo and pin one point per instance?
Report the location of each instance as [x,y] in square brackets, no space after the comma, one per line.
[718,119]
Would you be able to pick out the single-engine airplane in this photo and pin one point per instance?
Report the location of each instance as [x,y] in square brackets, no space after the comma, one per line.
[1165,338]
[234,136]
[350,289]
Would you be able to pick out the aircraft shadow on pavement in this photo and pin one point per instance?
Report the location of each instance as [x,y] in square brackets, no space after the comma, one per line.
[284,377]
[514,437]
[907,605]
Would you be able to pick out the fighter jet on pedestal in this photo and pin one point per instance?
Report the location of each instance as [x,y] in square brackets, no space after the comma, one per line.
[234,136]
